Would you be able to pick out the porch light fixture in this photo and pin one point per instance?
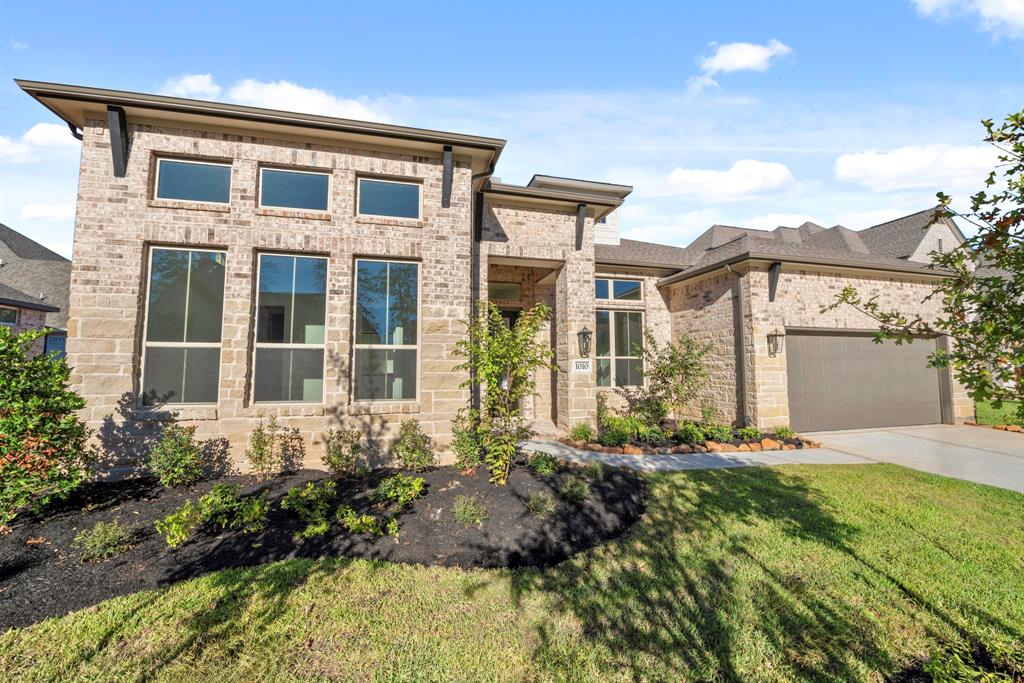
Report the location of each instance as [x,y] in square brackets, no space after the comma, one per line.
[776,342]
[584,337]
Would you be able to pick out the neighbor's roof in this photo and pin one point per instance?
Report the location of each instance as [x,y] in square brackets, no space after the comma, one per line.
[31,267]
[12,297]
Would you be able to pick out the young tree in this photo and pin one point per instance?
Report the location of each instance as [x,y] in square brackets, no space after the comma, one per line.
[674,371]
[983,293]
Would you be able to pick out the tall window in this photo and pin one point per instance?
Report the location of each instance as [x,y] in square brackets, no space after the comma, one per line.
[181,360]
[386,334]
[194,181]
[619,347]
[290,311]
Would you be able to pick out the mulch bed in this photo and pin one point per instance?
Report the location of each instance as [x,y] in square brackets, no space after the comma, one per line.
[41,574]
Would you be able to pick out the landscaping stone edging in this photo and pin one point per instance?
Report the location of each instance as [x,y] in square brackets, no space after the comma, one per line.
[1015,429]
[765,444]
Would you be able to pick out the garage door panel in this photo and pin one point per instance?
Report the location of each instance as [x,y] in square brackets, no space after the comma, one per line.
[844,381]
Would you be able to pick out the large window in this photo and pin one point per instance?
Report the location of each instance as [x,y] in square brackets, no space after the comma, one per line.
[181,361]
[294,189]
[386,335]
[388,198]
[617,290]
[620,339]
[193,181]
[8,316]
[290,312]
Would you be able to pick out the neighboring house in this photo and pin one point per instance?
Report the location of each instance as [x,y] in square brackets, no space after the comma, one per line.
[34,288]
[234,263]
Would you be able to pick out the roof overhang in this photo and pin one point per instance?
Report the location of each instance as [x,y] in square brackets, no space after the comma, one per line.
[601,205]
[635,265]
[75,104]
[551,182]
[20,303]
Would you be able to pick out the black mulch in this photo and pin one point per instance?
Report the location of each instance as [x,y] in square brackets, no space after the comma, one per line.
[41,574]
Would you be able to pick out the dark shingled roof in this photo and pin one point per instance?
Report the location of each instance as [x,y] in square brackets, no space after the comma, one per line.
[899,238]
[637,253]
[12,297]
[33,271]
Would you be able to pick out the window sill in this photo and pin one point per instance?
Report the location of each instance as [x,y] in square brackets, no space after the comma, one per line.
[286,409]
[190,206]
[171,413]
[385,220]
[295,213]
[382,407]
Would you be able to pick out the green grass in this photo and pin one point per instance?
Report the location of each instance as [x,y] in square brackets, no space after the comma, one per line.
[988,414]
[802,572]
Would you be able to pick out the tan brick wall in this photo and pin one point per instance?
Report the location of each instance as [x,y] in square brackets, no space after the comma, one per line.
[31,319]
[116,220]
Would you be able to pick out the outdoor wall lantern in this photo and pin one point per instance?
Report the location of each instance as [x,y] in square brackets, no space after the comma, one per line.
[776,342]
[584,336]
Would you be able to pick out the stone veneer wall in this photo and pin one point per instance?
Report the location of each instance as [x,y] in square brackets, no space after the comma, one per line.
[117,219]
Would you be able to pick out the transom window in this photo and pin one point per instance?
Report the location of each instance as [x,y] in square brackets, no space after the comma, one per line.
[290,313]
[287,189]
[386,330]
[392,198]
[8,316]
[504,291]
[606,289]
[181,354]
[193,181]
[619,348]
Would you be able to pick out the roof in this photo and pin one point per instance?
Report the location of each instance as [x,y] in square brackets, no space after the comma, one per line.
[637,253]
[900,238]
[12,297]
[37,274]
[575,184]
[26,248]
[603,204]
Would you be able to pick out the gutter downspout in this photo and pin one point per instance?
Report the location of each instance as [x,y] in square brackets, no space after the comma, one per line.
[740,339]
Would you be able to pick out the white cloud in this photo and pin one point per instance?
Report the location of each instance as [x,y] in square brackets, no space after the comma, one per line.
[745,179]
[200,86]
[1001,18]
[934,167]
[36,142]
[47,212]
[641,222]
[729,57]
[292,97]
[18,45]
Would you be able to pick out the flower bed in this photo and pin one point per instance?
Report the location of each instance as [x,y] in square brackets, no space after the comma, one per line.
[740,442]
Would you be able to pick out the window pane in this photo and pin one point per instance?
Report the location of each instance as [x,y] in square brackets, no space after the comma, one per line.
[628,372]
[205,297]
[274,323]
[628,333]
[8,316]
[168,282]
[383,198]
[601,289]
[293,189]
[626,290]
[371,301]
[402,300]
[604,372]
[604,345]
[193,181]
[383,374]
[289,375]
[507,291]
[179,375]
[310,300]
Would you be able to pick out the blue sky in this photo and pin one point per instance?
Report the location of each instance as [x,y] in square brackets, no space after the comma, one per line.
[747,113]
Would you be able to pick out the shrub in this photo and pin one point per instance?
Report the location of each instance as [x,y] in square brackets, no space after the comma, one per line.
[104,540]
[595,470]
[541,504]
[651,435]
[311,504]
[391,528]
[784,432]
[467,442]
[469,511]
[582,432]
[602,410]
[749,433]
[400,489]
[414,448]
[223,505]
[575,489]
[615,434]
[274,449]
[672,374]
[360,524]
[176,459]
[43,456]
[502,434]
[344,454]
[716,432]
[690,433]
[543,464]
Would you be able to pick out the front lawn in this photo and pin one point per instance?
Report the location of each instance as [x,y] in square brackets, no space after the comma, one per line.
[988,414]
[816,572]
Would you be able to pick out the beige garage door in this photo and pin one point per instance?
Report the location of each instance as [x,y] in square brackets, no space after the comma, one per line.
[846,381]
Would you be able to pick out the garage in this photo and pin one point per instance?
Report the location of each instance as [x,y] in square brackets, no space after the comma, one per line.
[846,381]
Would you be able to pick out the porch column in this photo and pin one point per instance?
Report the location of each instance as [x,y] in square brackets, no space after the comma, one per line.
[574,310]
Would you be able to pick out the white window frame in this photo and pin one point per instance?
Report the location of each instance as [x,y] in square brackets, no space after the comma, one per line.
[17,315]
[387,347]
[330,187]
[181,345]
[394,181]
[272,345]
[156,181]
[611,289]
[612,357]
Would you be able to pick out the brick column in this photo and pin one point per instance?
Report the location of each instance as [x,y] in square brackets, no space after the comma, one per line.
[574,310]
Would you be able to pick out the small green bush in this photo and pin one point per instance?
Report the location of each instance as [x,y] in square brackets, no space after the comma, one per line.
[467,439]
[582,432]
[749,433]
[274,449]
[541,504]
[223,505]
[104,540]
[344,454]
[311,504]
[414,448]
[543,464]
[595,470]
[360,524]
[784,432]
[391,528]
[716,432]
[575,489]
[469,511]
[651,435]
[176,459]
[690,433]
[400,489]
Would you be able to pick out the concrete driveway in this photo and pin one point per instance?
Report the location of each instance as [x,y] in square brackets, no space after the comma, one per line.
[986,456]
